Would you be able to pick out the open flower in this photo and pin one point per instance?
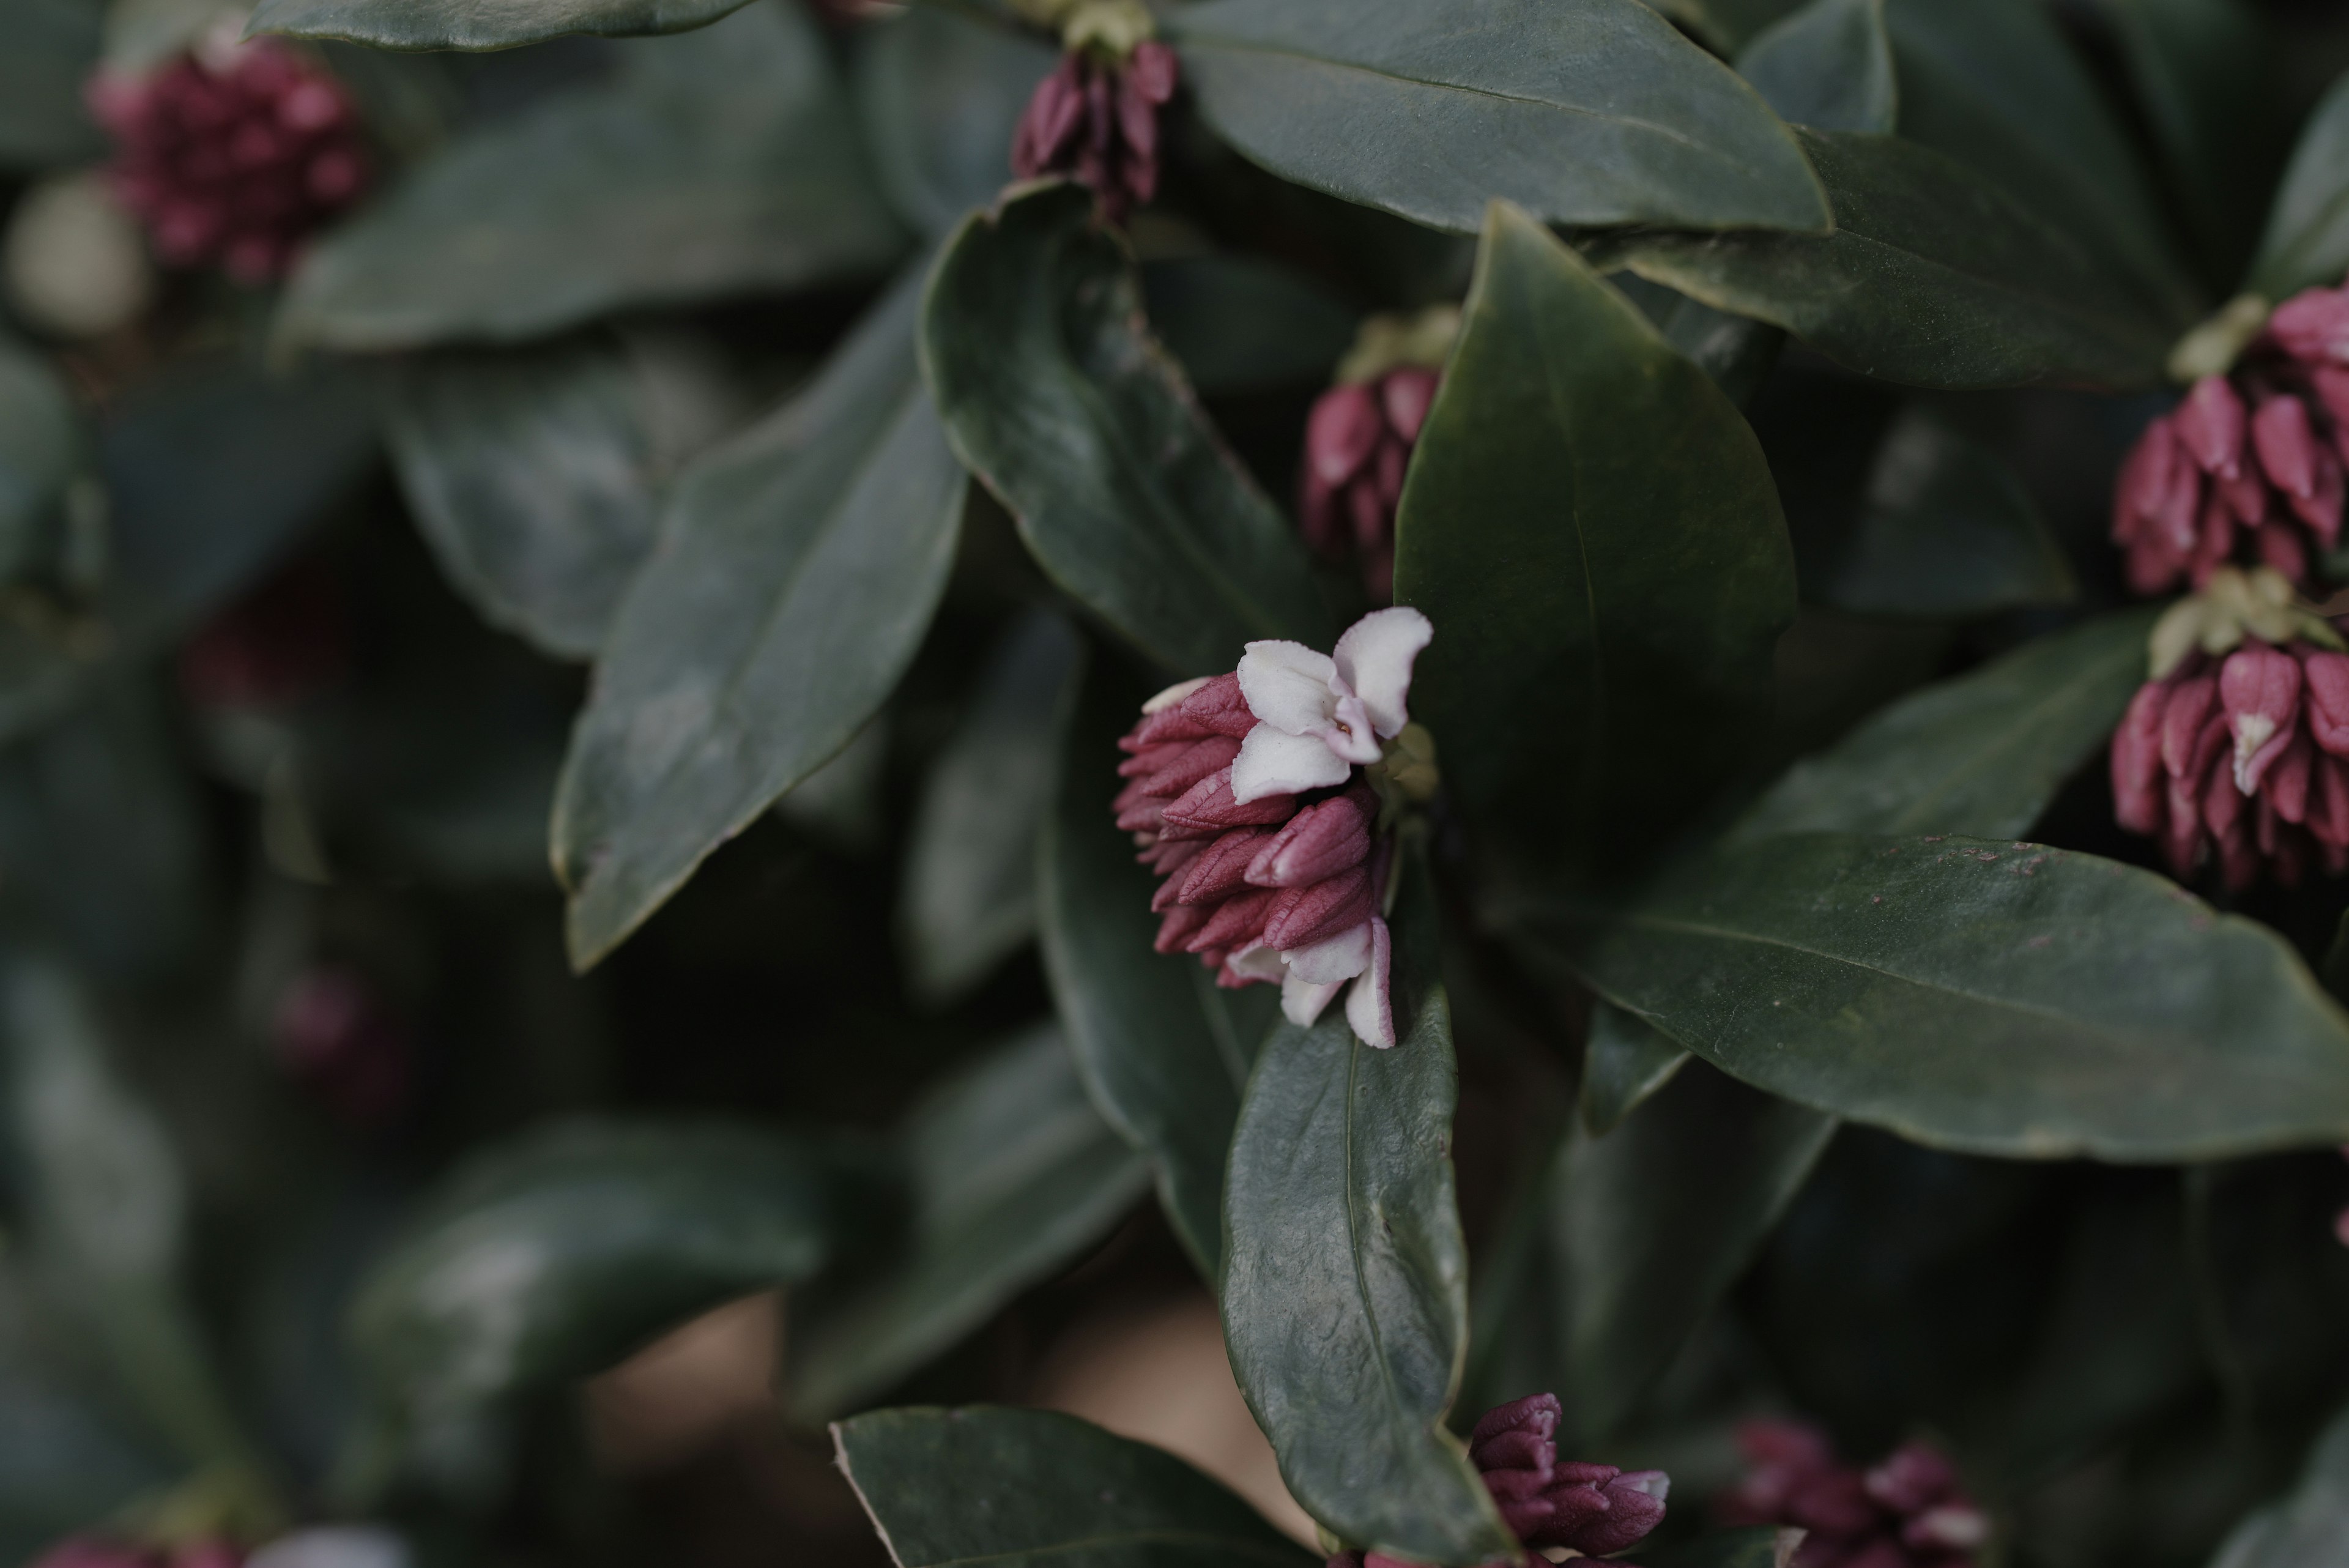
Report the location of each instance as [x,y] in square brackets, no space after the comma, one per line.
[1319,715]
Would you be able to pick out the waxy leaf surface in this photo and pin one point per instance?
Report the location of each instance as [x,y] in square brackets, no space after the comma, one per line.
[2306,243]
[1580,111]
[1241,324]
[1625,1062]
[1057,396]
[940,95]
[478,24]
[1829,66]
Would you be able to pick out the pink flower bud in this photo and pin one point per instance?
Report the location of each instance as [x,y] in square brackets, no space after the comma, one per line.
[1237,922]
[2210,423]
[1208,807]
[2136,771]
[333,1032]
[1300,916]
[2325,683]
[1318,841]
[1406,395]
[2314,325]
[1912,1477]
[1221,869]
[2192,729]
[1341,433]
[2260,688]
[2287,444]
[1153,70]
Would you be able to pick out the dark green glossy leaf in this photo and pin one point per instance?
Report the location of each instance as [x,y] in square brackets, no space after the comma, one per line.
[1738,354]
[1942,529]
[1165,1052]
[1242,324]
[1993,84]
[472,24]
[1981,754]
[1828,65]
[797,569]
[940,95]
[969,894]
[1594,671]
[1024,1488]
[1625,1063]
[2306,243]
[1588,113]
[1728,25]
[42,448]
[537,477]
[2309,1529]
[1054,393]
[1012,1173]
[1765,1546]
[1932,277]
[52,46]
[717,163]
[1345,1275]
[1977,994]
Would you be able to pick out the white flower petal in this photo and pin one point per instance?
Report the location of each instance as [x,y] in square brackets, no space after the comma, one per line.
[1341,957]
[1286,685]
[1273,764]
[1301,1001]
[1351,734]
[1374,660]
[1370,1005]
[1258,962]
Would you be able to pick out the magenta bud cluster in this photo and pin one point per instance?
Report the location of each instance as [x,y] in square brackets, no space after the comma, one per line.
[98,1552]
[2245,757]
[2250,466]
[1908,1512]
[334,1035]
[232,156]
[1096,119]
[1357,443]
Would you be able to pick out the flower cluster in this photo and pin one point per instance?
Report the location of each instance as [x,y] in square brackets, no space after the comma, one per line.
[2236,745]
[1244,796]
[95,1551]
[1096,116]
[1590,1511]
[1906,1513]
[2254,457]
[1359,440]
[233,154]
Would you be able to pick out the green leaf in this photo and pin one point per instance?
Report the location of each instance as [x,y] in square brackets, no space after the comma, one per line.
[557,1255]
[476,24]
[722,162]
[1012,1173]
[1993,84]
[1828,65]
[1765,1546]
[940,94]
[969,894]
[1242,324]
[1975,994]
[1728,25]
[1933,277]
[52,46]
[537,477]
[42,449]
[1587,112]
[1345,1275]
[1982,753]
[1054,393]
[2308,1529]
[1943,529]
[798,567]
[1625,1063]
[1638,1233]
[1034,1487]
[1593,531]
[2306,243]
[1164,1051]
[1738,354]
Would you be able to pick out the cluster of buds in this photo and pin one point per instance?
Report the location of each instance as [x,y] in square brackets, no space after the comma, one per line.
[2250,460]
[98,1552]
[1096,116]
[1258,798]
[1906,1513]
[334,1035]
[2239,743]
[1359,440]
[1582,1509]
[234,153]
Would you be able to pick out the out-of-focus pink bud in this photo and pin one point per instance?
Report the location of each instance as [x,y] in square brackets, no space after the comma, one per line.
[2210,422]
[1152,71]
[2314,325]
[2287,444]
[1513,1444]
[2137,768]
[335,1034]
[91,1551]
[1912,1477]
[2259,688]
[1341,433]
[2324,678]
[1407,394]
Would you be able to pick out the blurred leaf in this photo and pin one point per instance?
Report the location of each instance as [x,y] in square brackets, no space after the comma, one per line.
[476,24]
[1728,25]
[2306,243]
[1012,1173]
[2309,1529]
[969,896]
[1593,676]
[1993,84]
[1829,66]
[1738,353]
[1944,529]
[1053,392]
[1765,1546]
[2272,1283]
[1998,998]
[940,95]
[1240,324]
[1163,1050]
[1345,1275]
[52,44]
[1627,1061]
[42,448]
[1979,755]
[536,478]
[1029,1487]
[797,570]
[722,162]
[1933,277]
[1589,112]
[64,1460]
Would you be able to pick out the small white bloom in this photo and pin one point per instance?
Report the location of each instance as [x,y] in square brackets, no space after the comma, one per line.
[1318,716]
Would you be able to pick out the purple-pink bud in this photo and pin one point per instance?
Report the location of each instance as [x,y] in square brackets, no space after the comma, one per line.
[2137,769]
[2314,325]
[1405,394]
[1318,841]
[1912,1477]
[1635,1505]
[1300,916]
[2324,678]
[1221,869]
[2259,688]
[1341,432]
[1209,807]
[2287,444]
[2210,421]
